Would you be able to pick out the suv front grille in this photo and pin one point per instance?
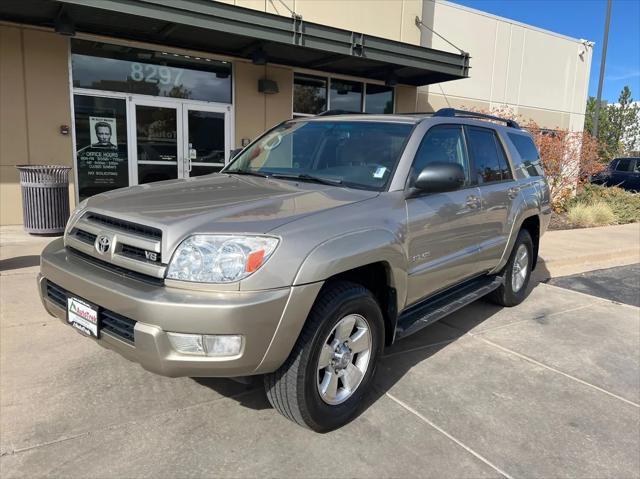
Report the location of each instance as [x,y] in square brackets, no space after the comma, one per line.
[110,322]
[129,246]
[123,225]
[138,253]
[145,278]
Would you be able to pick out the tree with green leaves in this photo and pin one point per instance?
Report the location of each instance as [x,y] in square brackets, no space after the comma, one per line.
[619,125]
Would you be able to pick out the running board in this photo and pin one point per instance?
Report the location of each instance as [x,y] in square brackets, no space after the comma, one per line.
[442,304]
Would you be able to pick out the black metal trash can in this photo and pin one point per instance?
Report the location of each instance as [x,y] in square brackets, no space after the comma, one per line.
[45,198]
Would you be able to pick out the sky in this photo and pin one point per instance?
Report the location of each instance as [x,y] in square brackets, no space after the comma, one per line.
[584,19]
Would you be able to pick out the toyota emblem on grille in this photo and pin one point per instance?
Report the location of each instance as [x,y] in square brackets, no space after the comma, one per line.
[103,243]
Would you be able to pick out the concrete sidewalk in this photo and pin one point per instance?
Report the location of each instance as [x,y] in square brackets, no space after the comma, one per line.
[566,252]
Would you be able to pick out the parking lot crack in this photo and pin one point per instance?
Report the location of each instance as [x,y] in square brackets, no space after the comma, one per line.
[551,368]
[449,436]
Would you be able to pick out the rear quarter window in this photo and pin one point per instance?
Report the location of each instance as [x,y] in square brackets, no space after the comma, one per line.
[527,162]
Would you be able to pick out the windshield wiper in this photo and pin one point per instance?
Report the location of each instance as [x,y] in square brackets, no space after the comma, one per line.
[306,177]
[246,172]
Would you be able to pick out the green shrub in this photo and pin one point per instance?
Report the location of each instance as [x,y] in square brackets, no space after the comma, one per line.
[595,214]
[624,204]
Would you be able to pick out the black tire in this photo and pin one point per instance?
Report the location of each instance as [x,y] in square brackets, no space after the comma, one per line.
[505,295]
[293,390]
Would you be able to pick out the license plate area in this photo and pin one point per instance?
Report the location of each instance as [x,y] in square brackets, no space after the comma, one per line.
[83,316]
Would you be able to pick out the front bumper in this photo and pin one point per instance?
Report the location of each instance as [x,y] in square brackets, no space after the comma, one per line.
[268,320]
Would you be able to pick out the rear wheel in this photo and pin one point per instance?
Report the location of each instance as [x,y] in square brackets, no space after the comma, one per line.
[516,273]
[322,383]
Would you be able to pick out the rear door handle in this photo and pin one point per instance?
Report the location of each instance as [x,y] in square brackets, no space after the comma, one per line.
[473,202]
[513,191]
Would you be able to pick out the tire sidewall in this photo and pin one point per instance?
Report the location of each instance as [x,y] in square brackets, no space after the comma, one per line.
[325,416]
[523,238]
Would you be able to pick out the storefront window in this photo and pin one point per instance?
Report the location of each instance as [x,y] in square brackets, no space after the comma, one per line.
[346,95]
[379,99]
[309,94]
[101,144]
[102,66]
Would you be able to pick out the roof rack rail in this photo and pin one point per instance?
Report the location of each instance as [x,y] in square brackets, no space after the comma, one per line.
[452,112]
[339,112]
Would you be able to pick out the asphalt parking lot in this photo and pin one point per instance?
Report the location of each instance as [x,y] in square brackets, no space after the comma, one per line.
[550,388]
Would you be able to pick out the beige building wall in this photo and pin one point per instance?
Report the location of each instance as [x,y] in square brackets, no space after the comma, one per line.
[34,103]
[538,74]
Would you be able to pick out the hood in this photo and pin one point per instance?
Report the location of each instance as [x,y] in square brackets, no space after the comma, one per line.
[222,203]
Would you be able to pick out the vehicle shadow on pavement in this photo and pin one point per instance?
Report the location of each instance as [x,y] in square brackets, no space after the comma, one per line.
[396,360]
[19,262]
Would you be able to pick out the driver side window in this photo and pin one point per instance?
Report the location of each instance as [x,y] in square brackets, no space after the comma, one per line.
[442,144]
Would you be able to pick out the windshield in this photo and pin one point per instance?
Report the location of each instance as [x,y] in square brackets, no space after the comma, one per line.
[359,154]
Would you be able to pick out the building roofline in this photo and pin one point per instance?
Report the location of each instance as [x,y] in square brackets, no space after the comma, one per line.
[509,20]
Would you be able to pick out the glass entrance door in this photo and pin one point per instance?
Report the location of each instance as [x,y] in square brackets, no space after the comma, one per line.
[207,137]
[158,140]
[178,139]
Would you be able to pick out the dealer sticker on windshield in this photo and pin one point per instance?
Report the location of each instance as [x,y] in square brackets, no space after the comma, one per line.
[380,171]
[82,316]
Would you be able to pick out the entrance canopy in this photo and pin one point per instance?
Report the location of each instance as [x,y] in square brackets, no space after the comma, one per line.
[215,27]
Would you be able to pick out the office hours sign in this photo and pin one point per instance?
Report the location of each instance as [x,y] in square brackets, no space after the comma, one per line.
[101,143]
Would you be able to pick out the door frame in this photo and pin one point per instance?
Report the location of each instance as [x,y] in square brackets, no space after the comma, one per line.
[130,101]
[139,100]
[223,108]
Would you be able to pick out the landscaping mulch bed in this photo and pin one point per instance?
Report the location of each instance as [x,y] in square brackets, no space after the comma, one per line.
[559,222]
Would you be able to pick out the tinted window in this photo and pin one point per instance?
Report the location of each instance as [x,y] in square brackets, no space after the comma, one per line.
[624,165]
[489,159]
[441,144]
[360,154]
[529,161]
[103,66]
[346,95]
[379,99]
[309,94]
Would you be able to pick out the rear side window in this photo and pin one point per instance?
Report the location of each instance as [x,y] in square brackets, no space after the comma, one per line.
[441,144]
[488,156]
[626,164]
[528,154]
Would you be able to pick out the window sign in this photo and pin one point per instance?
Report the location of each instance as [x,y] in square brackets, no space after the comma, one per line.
[101,144]
[101,66]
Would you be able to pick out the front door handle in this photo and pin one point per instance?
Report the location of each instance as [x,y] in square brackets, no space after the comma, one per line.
[473,202]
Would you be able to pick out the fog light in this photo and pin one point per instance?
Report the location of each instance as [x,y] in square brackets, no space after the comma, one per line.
[227,345]
[209,345]
[186,343]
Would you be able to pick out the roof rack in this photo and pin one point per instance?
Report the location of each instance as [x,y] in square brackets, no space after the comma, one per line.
[339,112]
[452,112]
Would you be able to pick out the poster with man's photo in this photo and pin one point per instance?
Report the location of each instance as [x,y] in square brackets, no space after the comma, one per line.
[101,154]
[103,132]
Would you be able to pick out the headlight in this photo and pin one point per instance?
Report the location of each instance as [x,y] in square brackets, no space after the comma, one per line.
[220,258]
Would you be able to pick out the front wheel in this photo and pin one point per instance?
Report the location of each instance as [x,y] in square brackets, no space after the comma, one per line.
[517,273]
[322,383]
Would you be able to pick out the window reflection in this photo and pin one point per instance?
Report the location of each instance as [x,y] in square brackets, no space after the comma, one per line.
[379,99]
[346,95]
[108,67]
[309,94]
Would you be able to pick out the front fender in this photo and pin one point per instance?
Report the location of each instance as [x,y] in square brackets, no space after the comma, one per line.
[353,250]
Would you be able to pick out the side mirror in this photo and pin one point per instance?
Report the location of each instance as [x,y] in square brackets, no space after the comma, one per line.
[440,177]
[234,153]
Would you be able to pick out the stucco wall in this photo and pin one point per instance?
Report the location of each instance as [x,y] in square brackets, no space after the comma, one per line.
[34,103]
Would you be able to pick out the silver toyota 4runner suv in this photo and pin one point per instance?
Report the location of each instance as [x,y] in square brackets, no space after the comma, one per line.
[322,242]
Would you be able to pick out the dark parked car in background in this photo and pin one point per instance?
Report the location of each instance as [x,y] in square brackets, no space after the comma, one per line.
[622,172]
